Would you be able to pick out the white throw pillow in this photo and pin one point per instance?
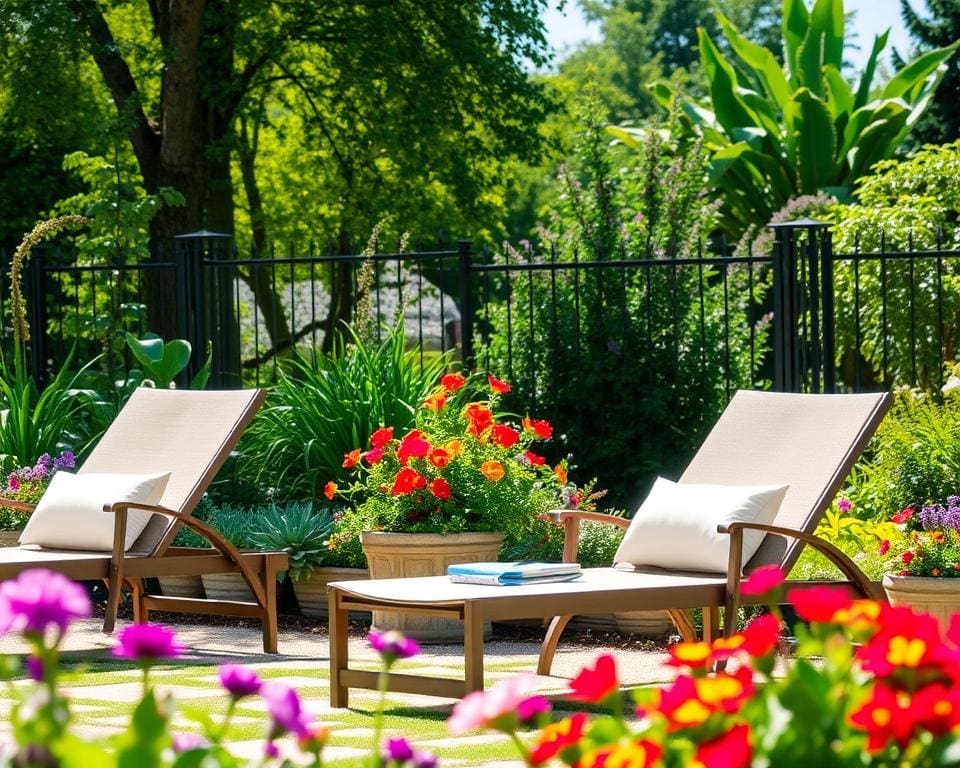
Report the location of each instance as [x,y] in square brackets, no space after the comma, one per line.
[70,514]
[676,527]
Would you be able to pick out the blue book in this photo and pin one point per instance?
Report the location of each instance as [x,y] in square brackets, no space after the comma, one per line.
[521,572]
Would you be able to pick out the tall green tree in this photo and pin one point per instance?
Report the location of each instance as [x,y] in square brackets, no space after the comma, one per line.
[941,122]
[778,131]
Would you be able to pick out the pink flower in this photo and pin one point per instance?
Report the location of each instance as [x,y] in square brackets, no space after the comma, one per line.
[147,642]
[765,579]
[884,547]
[392,645]
[285,710]
[844,505]
[495,707]
[38,599]
[239,681]
[184,742]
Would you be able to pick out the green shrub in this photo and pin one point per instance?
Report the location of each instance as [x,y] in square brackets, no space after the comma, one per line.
[329,404]
[596,546]
[297,529]
[236,524]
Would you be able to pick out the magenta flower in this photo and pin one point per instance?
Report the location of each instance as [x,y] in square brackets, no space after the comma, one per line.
[424,760]
[35,668]
[147,642]
[239,681]
[529,709]
[494,708]
[285,710]
[844,505]
[38,599]
[397,750]
[184,742]
[392,645]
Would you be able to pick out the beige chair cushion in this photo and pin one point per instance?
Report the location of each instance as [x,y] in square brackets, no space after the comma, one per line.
[676,527]
[70,515]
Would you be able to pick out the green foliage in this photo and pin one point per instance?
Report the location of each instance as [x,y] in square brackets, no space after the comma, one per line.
[596,546]
[913,460]
[912,203]
[163,361]
[629,365]
[329,404]
[299,530]
[236,524]
[777,131]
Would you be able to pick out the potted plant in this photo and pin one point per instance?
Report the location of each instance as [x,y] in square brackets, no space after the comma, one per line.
[22,489]
[923,559]
[455,488]
[304,533]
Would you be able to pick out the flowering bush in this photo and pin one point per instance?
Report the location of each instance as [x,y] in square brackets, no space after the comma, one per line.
[27,484]
[462,468]
[883,693]
[925,544]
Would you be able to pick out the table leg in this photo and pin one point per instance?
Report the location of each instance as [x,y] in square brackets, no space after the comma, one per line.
[337,625]
[473,646]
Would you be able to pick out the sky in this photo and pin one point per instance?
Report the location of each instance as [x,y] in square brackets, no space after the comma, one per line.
[873,17]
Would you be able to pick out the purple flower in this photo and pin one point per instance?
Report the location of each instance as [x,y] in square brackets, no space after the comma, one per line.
[424,760]
[184,742]
[398,750]
[35,668]
[239,681]
[271,750]
[147,642]
[65,460]
[38,599]
[392,645]
[844,505]
[285,710]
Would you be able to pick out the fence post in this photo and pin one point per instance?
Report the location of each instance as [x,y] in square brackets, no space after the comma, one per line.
[465,267]
[803,322]
[36,298]
[194,314]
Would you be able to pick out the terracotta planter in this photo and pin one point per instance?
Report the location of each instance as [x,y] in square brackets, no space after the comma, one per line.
[312,593]
[227,586]
[181,586]
[394,555]
[938,597]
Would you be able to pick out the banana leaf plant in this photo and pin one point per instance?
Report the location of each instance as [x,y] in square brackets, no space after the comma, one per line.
[778,131]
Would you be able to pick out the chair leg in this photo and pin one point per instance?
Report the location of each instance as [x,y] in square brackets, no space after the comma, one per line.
[683,623]
[472,648]
[140,613]
[549,645]
[114,588]
[269,575]
[339,650]
[711,623]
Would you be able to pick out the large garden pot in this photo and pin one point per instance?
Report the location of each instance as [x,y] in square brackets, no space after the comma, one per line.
[938,597]
[394,555]
[181,586]
[227,586]
[312,593]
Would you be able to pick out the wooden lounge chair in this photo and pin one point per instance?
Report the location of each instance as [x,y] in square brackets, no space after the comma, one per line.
[762,438]
[189,434]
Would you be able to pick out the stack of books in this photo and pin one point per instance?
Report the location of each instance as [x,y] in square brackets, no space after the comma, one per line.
[513,573]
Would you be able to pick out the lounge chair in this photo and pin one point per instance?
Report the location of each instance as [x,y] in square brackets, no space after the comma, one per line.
[762,438]
[189,434]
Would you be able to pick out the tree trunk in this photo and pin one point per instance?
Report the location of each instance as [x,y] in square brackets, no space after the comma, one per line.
[341,295]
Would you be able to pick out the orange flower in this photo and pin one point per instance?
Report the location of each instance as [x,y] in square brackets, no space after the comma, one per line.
[492,470]
[500,387]
[560,473]
[454,448]
[329,490]
[439,457]
[351,459]
[452,382]
[435,402]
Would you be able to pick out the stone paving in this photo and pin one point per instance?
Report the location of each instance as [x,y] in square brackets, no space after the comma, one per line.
[104,692]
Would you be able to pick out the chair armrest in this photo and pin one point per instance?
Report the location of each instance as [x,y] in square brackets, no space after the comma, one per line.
[20,506]
[123,506]
[570,520]
[836,556]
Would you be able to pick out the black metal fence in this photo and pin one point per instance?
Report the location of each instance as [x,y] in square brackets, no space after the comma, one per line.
[802,318]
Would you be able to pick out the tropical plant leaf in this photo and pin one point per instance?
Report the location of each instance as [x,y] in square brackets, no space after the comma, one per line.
[729,109]
[759,59]
[866,78]
[796,21]
[916,72]
[811,141]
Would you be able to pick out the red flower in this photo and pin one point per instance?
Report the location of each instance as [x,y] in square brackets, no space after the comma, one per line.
[435,402]
[504,436]
[907,557]
[761,635]
[534,459]
[329,490]
[765,579]
[406,481]
[440,488]
[413,446]
[500,387]
[594,684]
[351,459]
[381,437]
[540,427]
[452,382]
[556,737]
[906,641]
[373,455]
[819,603]
[936,708]
[439,457]
[681,705]
[632,754]
[480,419]
[884,716]
[884,547]
[728,750]
[902,516]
